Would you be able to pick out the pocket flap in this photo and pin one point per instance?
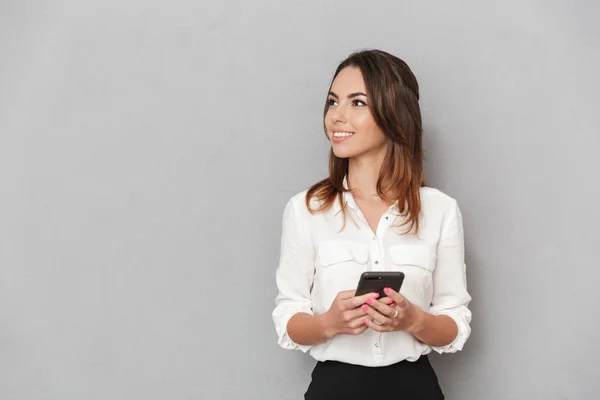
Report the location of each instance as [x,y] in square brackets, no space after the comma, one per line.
[335,252]
[413,254]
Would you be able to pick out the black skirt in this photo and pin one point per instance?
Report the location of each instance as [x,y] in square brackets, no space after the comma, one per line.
[402,381]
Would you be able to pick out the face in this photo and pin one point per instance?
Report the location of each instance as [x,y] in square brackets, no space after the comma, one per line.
[349,122]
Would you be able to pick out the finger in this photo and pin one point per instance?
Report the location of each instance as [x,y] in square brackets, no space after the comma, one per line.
[389,301]
[354,313]
[402,302]
[398,298]
[376,315]
[358,322]
[375,327]
[382,308]
[359,330]
[346,294]
[360,300]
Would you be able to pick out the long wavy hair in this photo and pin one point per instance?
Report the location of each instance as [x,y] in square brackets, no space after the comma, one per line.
[393,92]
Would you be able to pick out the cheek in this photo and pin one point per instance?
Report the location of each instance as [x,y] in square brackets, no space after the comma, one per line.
[327,123]
[365,124]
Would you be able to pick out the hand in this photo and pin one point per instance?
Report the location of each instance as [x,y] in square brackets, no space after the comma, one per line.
[408,319]
[345,315]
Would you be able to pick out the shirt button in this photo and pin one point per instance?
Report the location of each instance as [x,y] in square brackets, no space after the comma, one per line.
[387,217]
[376,262]
[374,237]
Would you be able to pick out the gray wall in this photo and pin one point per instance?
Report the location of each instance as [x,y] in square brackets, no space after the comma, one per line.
[147,150]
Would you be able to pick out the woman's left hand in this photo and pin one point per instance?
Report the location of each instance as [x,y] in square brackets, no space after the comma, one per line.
[401,316]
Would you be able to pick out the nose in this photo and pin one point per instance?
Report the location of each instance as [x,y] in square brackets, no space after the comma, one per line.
[338,114]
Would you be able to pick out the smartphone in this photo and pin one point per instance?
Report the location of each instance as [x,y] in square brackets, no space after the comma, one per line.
[375,282]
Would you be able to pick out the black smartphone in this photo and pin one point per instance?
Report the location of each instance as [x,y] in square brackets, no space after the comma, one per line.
[375,282]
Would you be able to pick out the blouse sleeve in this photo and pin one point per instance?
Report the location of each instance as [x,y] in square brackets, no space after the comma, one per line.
[294,275]
[450,296]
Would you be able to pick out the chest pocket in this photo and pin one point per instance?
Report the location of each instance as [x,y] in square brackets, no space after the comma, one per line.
[417,261]
[338,267]
[342,252]
[413,255]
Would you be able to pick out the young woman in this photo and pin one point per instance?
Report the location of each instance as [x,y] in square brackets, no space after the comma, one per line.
[373,213]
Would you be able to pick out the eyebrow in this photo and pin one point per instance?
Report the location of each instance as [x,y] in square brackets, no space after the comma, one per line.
[351,95]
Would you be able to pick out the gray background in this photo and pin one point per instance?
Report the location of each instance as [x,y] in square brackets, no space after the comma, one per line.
[147,149]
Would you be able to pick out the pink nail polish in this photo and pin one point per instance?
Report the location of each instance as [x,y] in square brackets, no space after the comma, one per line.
[375,295]
[369,301]
[365,308]
[387,290]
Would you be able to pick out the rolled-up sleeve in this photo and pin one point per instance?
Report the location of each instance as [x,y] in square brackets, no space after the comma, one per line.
[294,275]
[450,296]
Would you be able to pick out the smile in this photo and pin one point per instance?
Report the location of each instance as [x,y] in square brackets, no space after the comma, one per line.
[338,137]
[342,134]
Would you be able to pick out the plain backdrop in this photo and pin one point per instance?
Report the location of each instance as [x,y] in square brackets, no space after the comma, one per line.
[147,149]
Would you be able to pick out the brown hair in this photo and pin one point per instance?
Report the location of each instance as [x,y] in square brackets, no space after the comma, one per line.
[394,102]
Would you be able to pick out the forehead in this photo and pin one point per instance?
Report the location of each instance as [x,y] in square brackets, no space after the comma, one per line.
[349,80]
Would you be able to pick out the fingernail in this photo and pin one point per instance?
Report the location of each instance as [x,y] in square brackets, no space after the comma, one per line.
[375,295]
[365,308]
[387,290]
[393,305]
[369,301]
[364,320]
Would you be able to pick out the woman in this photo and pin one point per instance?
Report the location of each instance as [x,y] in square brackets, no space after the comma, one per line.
[373,213]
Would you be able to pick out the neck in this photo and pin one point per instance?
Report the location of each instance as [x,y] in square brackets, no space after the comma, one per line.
[363,173]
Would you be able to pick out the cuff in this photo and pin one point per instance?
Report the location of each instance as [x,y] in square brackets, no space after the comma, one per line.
[462,317]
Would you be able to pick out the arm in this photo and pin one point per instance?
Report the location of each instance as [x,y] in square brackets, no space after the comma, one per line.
[294,278]
[449,311]
[435,330]
[343,317]
[308,330]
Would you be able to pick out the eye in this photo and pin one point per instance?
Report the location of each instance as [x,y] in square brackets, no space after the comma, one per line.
[331,102]
[358,103]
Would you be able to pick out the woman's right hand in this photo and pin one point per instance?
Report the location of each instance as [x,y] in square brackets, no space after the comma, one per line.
[345,316]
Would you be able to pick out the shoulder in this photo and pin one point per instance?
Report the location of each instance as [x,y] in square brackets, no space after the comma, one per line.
[299,201]
[299,197]
[434,194]
[297,204]
[435,201]
[298,208]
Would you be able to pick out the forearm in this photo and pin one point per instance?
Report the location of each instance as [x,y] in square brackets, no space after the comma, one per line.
[435,330]
[307,330]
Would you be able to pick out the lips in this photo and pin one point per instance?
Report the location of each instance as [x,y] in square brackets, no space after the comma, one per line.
[341,136]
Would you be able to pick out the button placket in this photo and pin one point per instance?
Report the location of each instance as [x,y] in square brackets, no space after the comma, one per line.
[377,250]
[375,255]
[377,352]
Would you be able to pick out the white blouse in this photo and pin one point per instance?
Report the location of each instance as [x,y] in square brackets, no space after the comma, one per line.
[318,260]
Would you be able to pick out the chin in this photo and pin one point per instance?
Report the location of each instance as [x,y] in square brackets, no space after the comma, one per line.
[344,153]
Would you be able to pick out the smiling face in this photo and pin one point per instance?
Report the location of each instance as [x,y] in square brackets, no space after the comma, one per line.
[349,122]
